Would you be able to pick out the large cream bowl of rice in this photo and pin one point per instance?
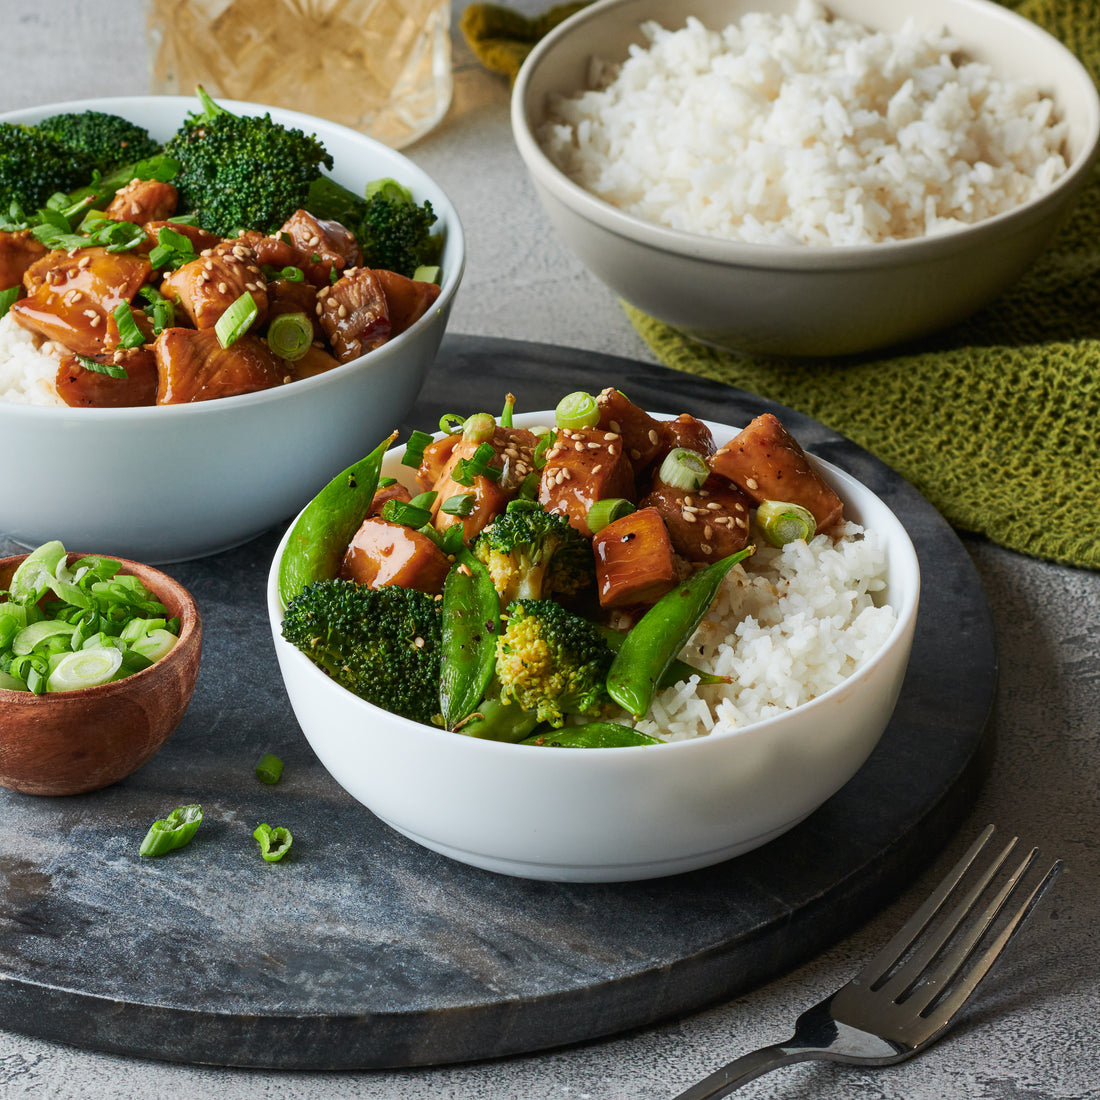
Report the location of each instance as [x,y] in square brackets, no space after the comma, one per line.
[795,178]
[816,639]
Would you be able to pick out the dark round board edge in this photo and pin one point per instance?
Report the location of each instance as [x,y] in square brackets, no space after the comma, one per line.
[809,887]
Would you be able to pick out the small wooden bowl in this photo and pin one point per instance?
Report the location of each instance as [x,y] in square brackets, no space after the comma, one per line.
[72,742]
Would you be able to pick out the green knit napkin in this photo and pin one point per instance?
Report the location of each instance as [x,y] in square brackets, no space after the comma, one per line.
[997,420]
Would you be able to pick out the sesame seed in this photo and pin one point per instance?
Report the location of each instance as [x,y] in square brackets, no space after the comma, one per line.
[706,548]
[90,313]
[597,469]
[714,506]
[751,483]
[84,262]
[94,322]
[342,311]
[592,446]
[614,426]
[223,288]
[708,532]
[635,453]
[611,450]
[418,642]
[739,506]
[578,446]
[689,500]
[687,516]
[742,524]
[654,438]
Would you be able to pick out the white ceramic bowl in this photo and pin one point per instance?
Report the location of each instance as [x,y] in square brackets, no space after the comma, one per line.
[804,301]
[606,815]
[182,481]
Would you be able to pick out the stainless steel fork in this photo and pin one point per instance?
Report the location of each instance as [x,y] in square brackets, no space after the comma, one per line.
[912,990]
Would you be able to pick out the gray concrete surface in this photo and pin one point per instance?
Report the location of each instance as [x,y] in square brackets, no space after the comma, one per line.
[1032,1032]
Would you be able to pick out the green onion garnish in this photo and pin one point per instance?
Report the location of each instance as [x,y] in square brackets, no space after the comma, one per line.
[269,769]
[274,842]
[546,441]
[172,832]
[236,320]
[577,410]
[405,513]
[683,469]
[112,370]
[451,423]
[164,310]
[461,504]
[783,522]
[129,335]
[529,489]
[466,469]
[414,449]
[607,511]
[479,428]
[506,414]
[290,336]
[386,482]
[85,668]
[8,298]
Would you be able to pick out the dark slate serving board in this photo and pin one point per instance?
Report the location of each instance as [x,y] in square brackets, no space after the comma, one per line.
[364,950]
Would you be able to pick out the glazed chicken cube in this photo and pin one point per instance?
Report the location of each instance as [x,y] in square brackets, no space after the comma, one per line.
[285,296]
[384,553]
[634,560]
[434,461]
[18,250]
[584,465]
[315,361]
[354,314]
[142,201]
[640,431]
[769,464]
[406,299]
[273,251]
[323,246]
[207,286]
[81,387]
[193,366]
[684,431]
[71,295]
[704,524]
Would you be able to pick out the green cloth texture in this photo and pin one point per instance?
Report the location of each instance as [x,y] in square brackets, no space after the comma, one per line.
[995,420]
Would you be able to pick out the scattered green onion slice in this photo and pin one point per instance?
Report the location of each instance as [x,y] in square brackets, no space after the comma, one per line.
[164,311]
[546,441]
[292,274]
[8,299]
[783,522]
[479,428]
[173,831]
[236,320]
[451,423]
[112,370]
[414,449]
[84,669]
[269,769]
[290,336]
[529,488]
[30,637]
[509,408]
[386,482]
[129,335]
[461,504]
[405,513]
[683,469]
[427,273]
[577,410]
[274,842]
[607,511]
[424,500]
[478,464]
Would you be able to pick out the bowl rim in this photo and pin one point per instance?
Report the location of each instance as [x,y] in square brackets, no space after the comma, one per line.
[446,214]
[904,624]
[721,251]
[189,635]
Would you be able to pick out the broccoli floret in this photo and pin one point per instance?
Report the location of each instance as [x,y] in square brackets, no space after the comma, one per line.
[393,232]
[33,166]
[243,172]
[532,554]
[381,643]
[552,662]
[105,140]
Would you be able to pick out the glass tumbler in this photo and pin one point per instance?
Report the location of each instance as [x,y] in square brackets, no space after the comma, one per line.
[379,66]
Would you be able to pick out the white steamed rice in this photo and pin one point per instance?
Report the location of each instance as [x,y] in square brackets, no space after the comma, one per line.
[787,626]
[27,371]
[805,129]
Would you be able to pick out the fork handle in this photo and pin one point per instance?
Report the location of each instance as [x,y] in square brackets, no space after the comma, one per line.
[747,1068]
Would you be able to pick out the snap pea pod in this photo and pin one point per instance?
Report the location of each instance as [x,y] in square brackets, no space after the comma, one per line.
[677,670]
[327,524]
[471,625]
[592,735]
[649,649]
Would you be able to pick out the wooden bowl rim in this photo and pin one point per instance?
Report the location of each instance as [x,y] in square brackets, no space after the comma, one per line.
[157,583]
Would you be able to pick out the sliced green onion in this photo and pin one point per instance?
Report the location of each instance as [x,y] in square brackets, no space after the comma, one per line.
[405,513]
[461,504]
[386,482]
[683,469]
[173,831]
[112,370]
[34,577]
[11,683]
[577,410]
[466,469]
[414,449]
[274,842]
[236,320]
[607,511]
[292,274]
[85,669]
[427,273]
[129,335]
[546,441]
[164,311]
[783,522]
[32,636]
[529,489]
[8,298]
[506,414]
[176,241]
[269,769]
[290,336]
[479,428]
[424,500]
[155,645]
[451,423]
